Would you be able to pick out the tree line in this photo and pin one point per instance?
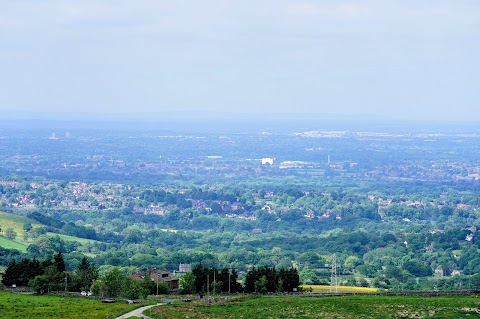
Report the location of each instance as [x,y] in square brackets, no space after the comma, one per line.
[50,274]
[258,280]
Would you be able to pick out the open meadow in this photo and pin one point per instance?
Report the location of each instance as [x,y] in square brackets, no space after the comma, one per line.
[354,307]
[53,307]
[16,222]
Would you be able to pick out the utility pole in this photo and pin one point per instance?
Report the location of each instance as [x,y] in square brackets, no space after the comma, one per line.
[214,281]
[208,287]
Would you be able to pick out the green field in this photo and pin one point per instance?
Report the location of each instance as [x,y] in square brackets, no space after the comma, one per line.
[41,307]
[8,220]
[354,307]
[12,244]
[71,238]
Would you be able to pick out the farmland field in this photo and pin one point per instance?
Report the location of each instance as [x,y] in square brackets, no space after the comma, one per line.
[371,307]
[16,222]
[9,220]
[12,244]
[71,238]
[339,289]
[40,307]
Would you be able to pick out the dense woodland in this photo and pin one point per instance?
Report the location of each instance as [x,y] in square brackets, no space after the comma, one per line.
[399,212]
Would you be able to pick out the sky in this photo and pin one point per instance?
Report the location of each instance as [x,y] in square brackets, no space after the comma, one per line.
[385,59]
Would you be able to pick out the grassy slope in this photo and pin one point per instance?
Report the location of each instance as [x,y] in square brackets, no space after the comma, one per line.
[12,244]
[8,220]
[371,307]
[40,307]
[71,238]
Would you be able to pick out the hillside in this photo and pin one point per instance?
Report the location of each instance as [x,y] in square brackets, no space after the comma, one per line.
[15,222]
[9,220]
[23,238]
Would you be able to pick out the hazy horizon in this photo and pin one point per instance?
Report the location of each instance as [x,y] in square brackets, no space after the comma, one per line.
[387,59]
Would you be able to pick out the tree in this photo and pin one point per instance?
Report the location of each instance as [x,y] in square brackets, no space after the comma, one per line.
[200,274]
[134,289]
[351,262]
[11,274]
[114,282]
[149,285]
[288,280]
[27,227]
[187,283]
[59,263]
[261,285]
[84,275]
[20,273]
[234,285]
[417,268]
[10,233]
[39,284]
[265,279]
[250,279]
[309,277]
[311,259]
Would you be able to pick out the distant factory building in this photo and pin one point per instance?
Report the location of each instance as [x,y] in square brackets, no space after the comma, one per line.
[267,160]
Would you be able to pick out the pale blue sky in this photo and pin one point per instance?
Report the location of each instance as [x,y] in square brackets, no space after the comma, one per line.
[404,59]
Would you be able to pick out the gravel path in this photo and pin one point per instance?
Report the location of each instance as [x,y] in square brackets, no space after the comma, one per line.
[138,312]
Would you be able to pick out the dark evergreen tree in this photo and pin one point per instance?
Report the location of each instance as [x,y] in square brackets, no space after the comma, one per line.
[267,279]
[84,275]
[253,275]
[223,277]
[200,274]
[289,280]
[10,276]
[21,273]
[235,286]
[59,263]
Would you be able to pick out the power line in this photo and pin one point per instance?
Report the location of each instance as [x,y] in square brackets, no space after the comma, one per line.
[333,277]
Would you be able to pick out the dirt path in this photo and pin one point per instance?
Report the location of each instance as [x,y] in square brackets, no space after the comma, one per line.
[138,312]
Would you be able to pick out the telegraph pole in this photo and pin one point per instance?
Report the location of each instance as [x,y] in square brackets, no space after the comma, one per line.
[208,287]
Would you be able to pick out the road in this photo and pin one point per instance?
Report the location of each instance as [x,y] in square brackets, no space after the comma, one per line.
[138,312]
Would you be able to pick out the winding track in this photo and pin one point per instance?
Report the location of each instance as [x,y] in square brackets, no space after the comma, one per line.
[138,312]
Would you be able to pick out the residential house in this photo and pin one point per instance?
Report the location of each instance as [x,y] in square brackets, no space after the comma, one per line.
[159,276]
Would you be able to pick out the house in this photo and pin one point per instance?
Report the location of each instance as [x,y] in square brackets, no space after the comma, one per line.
[67,203]
[439,272]
[185,268]
[456,272]
[159,276]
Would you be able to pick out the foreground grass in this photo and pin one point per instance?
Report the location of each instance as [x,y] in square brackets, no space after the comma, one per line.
[371,307]
[53,307]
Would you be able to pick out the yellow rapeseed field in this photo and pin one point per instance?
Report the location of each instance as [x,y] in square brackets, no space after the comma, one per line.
[340,289]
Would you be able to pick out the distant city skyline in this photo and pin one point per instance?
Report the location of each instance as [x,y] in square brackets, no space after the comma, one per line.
[399,60]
